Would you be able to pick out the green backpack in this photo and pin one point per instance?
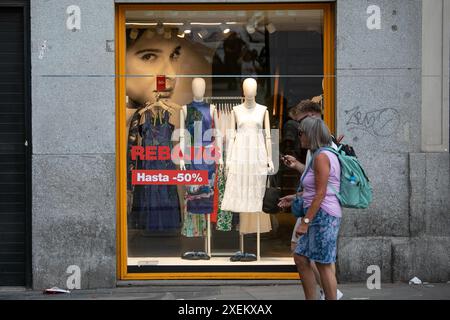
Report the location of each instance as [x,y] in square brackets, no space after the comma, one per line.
[355,190]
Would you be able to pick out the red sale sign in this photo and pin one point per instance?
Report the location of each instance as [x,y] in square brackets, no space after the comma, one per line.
[184,177]
[160,83]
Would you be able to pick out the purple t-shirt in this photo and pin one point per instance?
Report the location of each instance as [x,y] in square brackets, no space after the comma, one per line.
[330,203]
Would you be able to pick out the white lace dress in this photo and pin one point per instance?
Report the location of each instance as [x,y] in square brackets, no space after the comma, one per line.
[246,179]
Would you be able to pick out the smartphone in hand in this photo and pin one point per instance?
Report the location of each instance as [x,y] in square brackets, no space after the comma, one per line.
[285,160]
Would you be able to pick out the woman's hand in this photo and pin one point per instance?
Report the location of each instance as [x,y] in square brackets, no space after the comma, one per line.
[301,229]
[286,201]
[292,163]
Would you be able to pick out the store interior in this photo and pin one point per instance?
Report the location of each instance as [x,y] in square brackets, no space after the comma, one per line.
[283,51]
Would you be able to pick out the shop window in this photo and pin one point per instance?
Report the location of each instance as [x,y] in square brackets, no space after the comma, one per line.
[168,53]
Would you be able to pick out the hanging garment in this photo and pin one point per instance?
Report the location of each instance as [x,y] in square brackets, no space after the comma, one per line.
[155,207]
[194,225]
[224,218]
[213,215]
[248,222]
[199,199]
[133,137]
[245,185]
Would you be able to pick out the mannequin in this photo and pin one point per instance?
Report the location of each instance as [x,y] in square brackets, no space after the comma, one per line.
[250,117]
[198,91]
[250,88]
[197,118]
[249,160]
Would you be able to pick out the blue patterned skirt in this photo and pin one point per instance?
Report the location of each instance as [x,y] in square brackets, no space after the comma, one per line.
[319,243]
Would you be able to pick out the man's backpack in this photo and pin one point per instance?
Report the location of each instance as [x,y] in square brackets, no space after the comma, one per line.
[348,149]
[355,189]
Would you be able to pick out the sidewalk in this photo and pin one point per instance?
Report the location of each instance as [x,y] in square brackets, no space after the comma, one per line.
[234,291]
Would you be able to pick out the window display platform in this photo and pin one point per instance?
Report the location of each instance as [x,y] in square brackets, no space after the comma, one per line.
[214,261]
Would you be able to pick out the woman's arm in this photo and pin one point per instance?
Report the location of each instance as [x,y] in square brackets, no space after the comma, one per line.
[286,201]
[293,163]
[321,174]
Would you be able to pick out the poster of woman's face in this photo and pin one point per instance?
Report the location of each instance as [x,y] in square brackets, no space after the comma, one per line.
[150,54]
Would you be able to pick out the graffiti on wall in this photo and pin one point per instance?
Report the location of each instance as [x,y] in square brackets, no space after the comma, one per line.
[382,122]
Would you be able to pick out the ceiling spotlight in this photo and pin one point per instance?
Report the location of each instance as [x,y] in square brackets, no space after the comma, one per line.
[134,33]
[271,28]
[225,29]
[250,29]
[187,31]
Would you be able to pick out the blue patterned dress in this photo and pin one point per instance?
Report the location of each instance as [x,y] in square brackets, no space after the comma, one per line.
[199,199]
[155,207]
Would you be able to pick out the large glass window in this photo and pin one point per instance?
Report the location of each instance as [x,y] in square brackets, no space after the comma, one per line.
[185,78]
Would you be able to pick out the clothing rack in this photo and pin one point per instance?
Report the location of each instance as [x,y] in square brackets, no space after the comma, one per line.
[227,98]
[224,102]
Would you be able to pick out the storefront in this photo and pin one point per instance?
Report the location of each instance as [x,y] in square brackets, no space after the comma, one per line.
[165,231]
[111,82]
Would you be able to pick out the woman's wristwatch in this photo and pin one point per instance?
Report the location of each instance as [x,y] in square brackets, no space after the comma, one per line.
[306,221]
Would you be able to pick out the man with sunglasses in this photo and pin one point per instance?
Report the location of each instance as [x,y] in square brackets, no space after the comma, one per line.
[294,157]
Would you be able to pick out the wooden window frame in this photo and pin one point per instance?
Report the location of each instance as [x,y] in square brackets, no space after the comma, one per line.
[121,173]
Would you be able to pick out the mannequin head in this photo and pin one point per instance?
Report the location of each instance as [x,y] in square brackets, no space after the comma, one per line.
[198,88]
[249,88]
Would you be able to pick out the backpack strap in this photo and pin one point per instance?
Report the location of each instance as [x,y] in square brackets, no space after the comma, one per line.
[308,166]
[336,152]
